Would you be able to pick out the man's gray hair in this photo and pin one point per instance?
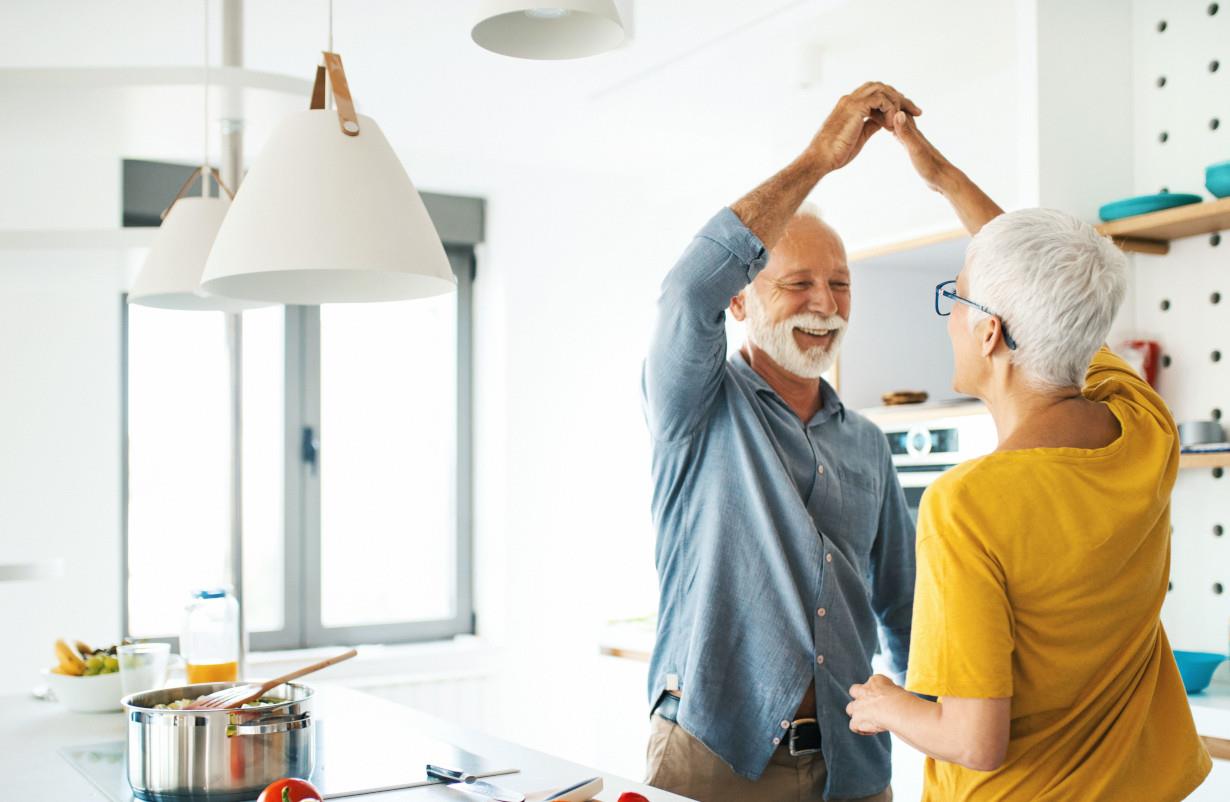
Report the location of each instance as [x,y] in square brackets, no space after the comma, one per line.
[809,209]
[1055,282]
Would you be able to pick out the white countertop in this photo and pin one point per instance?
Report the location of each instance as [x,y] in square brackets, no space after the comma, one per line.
[1211,710]
[32,732]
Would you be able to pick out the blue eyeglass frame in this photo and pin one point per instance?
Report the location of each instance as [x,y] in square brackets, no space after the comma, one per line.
[941,290]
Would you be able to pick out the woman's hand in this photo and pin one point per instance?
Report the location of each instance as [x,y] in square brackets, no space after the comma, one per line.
[972,205]
[870,699]
[928,162]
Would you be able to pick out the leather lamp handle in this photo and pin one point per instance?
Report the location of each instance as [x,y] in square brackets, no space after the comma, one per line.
[346,116]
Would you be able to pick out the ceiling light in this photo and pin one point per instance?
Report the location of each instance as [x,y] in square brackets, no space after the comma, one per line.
[171,275]
[566,29]
[327,214]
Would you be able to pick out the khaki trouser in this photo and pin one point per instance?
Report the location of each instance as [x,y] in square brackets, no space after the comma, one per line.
[683,765]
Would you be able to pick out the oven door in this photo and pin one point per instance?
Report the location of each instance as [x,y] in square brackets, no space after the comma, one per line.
[915,480]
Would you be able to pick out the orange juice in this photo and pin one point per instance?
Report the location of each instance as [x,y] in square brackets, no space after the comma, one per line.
[213,672]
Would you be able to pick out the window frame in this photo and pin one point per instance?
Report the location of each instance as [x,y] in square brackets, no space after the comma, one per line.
[460,222]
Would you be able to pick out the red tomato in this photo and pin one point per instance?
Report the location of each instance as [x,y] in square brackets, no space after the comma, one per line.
[290,790]
[631,796]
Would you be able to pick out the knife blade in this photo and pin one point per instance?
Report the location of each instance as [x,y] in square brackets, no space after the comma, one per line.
[489,790]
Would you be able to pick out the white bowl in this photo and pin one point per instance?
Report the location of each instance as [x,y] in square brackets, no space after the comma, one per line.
[100,693]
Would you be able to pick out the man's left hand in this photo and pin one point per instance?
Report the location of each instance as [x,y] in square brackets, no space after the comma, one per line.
[869,698]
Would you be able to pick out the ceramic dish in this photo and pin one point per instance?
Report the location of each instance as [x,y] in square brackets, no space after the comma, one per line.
[1143,204]
[1197,669]
[1217,179]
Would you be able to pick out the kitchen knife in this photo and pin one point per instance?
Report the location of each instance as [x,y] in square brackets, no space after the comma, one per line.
[460,781]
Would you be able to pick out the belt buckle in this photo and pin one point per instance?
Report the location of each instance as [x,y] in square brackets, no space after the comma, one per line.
[792,740]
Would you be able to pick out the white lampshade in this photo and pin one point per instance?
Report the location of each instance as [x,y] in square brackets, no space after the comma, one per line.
[548,29]
[171,275]
[323,217]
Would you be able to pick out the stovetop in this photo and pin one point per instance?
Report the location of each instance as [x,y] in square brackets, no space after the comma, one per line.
[349,761]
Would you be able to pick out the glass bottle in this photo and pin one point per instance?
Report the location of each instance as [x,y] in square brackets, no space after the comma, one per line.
[210,640]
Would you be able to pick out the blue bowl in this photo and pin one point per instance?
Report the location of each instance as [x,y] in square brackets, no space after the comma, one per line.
[1217,179]
[1197,669]
[1143,204]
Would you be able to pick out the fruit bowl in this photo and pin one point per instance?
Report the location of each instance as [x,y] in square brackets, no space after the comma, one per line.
[100,693]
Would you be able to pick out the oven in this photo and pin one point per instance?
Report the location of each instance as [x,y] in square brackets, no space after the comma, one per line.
[928,439]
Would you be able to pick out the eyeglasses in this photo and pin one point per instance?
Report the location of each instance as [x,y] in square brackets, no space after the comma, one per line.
[946,294]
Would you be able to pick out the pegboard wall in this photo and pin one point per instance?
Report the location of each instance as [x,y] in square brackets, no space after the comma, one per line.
[1181,94]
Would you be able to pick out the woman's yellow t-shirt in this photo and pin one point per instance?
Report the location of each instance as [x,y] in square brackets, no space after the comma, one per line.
[1041,576]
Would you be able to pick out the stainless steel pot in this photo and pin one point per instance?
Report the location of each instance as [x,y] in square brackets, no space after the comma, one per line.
[1201,432]
[217,755]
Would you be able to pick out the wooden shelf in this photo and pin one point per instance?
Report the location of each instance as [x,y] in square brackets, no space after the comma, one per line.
[1145,233]
[1215,459]
[1152,233]
[906,246]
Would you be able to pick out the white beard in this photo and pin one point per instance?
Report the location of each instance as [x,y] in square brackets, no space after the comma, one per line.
[777,339]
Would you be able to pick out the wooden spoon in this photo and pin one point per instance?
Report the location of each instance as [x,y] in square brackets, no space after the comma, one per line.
[240,695]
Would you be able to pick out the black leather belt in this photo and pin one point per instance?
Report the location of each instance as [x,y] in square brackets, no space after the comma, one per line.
[803,737]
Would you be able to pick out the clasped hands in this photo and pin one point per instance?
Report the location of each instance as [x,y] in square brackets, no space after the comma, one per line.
[865,111]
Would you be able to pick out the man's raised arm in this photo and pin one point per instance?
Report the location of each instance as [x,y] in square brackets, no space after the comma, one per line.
[684,367]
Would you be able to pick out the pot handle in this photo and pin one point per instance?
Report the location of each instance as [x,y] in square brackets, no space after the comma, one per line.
[267,726]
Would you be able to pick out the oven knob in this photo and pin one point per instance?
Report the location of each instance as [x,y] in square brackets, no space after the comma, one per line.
[918,441]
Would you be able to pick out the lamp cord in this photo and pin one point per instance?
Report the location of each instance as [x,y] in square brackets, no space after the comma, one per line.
[329,83]
[205,110]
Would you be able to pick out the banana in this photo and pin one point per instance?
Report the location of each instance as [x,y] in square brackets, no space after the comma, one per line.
[70,662]
[83,648]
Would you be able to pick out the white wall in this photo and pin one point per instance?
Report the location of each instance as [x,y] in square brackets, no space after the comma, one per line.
[1195,616]
[59,474]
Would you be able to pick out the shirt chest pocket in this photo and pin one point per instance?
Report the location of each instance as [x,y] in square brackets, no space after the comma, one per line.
[860,513]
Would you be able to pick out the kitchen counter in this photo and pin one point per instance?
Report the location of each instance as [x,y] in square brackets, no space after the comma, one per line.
[1211,710]
[32,732]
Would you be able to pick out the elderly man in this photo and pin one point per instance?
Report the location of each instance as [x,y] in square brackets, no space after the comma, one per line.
[783,535]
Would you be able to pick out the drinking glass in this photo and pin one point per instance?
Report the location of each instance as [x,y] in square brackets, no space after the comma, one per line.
[143,666]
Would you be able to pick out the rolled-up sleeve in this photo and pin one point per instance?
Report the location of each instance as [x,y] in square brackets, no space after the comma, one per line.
[683,371]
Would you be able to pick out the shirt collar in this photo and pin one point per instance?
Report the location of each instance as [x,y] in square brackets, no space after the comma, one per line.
[830,404]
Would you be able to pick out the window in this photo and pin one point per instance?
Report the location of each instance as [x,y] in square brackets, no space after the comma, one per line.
[355,468]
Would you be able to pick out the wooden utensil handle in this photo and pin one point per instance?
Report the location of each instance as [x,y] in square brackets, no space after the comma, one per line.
[275,682]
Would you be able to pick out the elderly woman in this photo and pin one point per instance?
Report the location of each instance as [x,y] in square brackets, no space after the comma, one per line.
[1042,566]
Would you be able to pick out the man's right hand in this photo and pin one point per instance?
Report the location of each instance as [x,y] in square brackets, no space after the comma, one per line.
[855,119]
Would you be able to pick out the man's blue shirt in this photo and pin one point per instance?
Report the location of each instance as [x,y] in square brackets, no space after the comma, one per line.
[783,548]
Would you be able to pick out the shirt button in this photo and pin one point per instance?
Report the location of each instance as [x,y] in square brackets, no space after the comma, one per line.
[820,470]
[822,612]
[828,558]
[785,724]
[777,741]
[820,659]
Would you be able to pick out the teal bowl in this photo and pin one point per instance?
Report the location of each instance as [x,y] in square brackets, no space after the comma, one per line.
[1197,669]
[1217,179]
[1143,204]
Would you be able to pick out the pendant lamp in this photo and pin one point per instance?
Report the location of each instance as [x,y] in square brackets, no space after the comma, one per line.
[171,275]
[548,29]
[327,214]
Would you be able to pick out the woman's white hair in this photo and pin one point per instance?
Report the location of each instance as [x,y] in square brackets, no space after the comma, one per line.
[1055,282]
